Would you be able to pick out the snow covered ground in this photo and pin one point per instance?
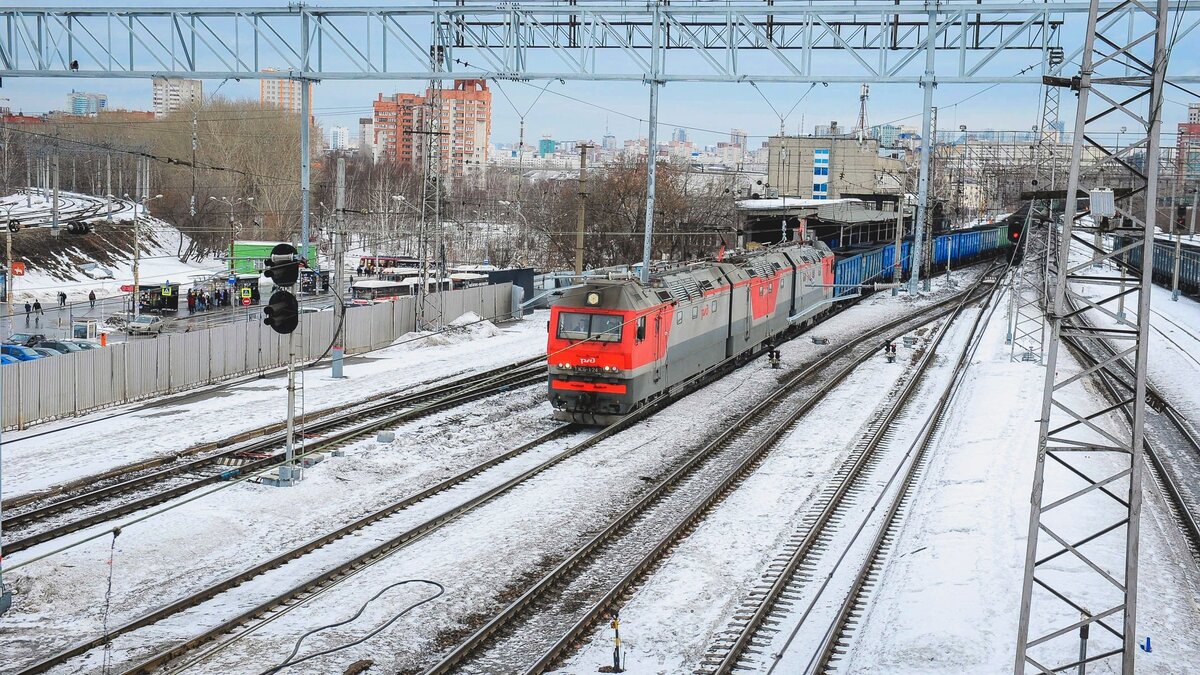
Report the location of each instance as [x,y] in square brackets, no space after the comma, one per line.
[670,620]
[61,451]
[948,601]
[477,556]
[158,262]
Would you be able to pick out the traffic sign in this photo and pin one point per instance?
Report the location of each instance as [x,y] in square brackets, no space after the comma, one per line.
[126,288]
[245,302]
[232,281]
[18,269]
[247,294]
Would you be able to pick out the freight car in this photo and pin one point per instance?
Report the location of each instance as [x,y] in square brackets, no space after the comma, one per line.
[616,344]
[1163,269]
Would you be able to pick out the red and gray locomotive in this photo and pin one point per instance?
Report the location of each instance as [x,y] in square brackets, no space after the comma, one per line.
[615,343]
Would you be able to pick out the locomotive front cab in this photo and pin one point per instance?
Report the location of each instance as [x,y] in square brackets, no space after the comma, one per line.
[593,335]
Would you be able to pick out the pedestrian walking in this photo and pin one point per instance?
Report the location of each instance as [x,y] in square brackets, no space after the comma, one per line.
[37,312]
[92,299]
[191,301]
[62,299]
[28,309]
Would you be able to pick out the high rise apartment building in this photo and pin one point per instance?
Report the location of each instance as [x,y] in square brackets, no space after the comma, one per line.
[82,103]
[1188,145]
[465,127]
[339,138]
[172,94]
[281,93]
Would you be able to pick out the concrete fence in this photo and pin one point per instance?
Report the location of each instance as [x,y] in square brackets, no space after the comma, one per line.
[70,384]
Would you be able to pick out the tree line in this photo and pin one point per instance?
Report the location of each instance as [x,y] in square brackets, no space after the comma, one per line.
[241,153]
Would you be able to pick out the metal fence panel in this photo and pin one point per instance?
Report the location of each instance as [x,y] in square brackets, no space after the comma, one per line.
[85,387]
[10,379]
[129,371]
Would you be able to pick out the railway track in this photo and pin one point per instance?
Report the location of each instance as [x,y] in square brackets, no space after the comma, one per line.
[1170,445]
[112,499]
[326,578]
[533,631]
[806,573]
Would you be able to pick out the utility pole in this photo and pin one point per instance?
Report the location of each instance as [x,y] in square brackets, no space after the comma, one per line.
[897,263]
[54,203]
[927,84]
[137,242]
[305,113]
[339,268]
[28,181]
[652,140]
[108,195]
[583,195]
[927,222]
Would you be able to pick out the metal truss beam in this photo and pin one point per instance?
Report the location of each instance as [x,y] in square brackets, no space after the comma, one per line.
[1081,567]
[859,41]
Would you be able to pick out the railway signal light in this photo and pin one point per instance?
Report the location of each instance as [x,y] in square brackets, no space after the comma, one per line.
[283,312]
[1180,217]
[283,265]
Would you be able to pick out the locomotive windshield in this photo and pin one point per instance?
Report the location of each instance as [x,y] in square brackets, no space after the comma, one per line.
[578,326]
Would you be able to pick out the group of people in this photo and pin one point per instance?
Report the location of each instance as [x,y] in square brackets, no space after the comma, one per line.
[202,301]
[33,310]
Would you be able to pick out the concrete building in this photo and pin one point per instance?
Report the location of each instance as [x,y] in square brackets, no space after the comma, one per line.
[281,93]
[83,104]
[339,138]
[172,94]
[1188,145]
[465,122]
[820,168]
[547,146]
[366,137]
[738,137]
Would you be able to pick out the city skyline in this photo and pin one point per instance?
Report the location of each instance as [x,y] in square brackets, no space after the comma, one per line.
[581,111]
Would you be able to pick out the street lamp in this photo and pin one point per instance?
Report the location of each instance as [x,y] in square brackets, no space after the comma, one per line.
[137,250]
[231,203]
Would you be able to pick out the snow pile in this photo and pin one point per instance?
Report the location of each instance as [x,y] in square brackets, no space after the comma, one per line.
[466,328]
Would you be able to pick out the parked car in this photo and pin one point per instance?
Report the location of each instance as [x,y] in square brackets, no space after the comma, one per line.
[5,359]
[20,352]
[61,346]
[45,352]
[85,344]
[27,339]
[147,324]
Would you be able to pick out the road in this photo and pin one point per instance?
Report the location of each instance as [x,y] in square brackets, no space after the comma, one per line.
[57,321]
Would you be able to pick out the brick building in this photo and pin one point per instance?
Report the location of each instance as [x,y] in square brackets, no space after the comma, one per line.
[1188,145]
[465,123]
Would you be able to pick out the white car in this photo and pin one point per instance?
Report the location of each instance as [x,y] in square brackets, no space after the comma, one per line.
[147,324]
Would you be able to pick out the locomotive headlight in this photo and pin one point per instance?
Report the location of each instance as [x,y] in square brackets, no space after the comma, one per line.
[564,366]
[593,299]
[610,369]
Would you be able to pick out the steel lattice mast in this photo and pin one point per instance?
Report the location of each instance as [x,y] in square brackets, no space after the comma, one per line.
[1081,567]
[429,308]
[1030,277]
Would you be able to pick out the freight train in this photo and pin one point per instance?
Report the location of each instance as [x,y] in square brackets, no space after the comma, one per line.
[1163,268]
[616,344]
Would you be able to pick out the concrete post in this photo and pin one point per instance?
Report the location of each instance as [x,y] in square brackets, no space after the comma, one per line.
[927,85]
[339,268]
[582,214]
